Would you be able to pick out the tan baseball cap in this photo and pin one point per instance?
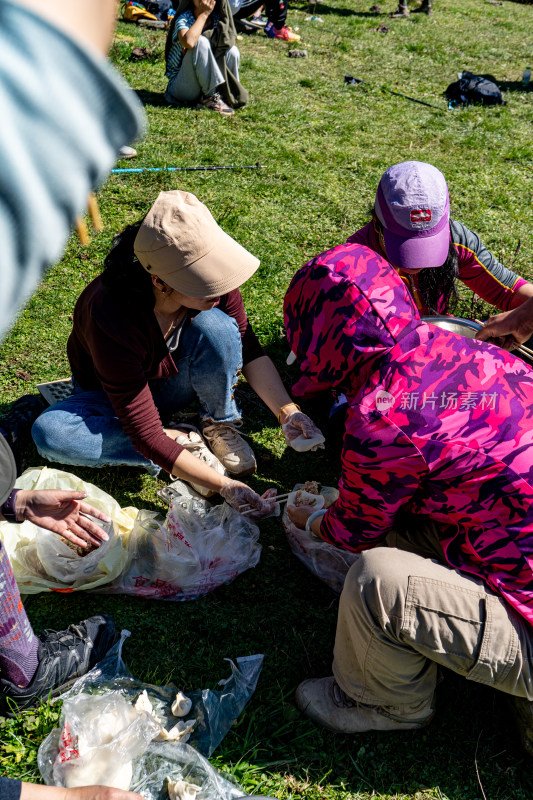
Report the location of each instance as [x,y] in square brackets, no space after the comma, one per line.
[180,242]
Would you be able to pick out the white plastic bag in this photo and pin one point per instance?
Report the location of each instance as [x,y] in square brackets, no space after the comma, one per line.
[32,550]
[327,562]
[187,555]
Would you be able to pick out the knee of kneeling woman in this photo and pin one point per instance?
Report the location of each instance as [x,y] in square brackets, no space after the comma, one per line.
[46,435]
[378,573]
[218,331]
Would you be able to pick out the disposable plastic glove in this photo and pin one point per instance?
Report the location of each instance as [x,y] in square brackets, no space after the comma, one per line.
[237,494]
[301,433]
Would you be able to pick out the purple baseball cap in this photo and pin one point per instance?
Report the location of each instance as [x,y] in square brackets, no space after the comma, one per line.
[413,205]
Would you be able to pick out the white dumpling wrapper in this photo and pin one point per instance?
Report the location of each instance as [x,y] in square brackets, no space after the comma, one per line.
[181,705]
[301,444]
[330,495]
[181,732]
[182,790]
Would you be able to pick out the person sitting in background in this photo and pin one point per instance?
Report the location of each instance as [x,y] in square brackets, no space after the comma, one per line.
[276,11]
[164,326]
[202,60]
[436,494]
[412,209]
[403,8]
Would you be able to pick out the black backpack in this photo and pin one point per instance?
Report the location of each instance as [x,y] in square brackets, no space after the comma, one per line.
[472,88]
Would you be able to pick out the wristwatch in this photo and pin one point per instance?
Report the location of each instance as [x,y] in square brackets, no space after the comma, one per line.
[8,508]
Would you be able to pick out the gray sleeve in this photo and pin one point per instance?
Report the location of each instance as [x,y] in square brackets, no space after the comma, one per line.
[9,790]
[64,114]
[472,252]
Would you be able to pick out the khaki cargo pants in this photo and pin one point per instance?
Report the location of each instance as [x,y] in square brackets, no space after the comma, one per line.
[402,613]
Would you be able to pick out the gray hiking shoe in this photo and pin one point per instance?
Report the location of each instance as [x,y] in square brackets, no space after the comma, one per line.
[229,447]
[323,701]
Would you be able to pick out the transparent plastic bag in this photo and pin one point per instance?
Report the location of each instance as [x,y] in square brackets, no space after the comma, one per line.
[187,555]
[327,562]
[98,739]
[215,710]
[163,760]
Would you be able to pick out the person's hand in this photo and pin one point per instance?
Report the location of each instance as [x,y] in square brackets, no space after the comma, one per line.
[33,791]
[206,6]
[237,494]
[299,515]
[301,433]
[62,512]
[510,329]
[101,793]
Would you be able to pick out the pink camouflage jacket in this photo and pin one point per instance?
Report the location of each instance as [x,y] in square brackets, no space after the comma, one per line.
[437,425]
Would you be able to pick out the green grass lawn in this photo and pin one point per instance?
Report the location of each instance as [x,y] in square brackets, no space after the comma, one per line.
[323,147]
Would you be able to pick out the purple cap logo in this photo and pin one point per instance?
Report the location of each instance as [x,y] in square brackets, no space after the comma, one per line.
[413,206]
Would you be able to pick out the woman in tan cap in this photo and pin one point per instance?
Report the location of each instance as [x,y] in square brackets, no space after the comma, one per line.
[164,326]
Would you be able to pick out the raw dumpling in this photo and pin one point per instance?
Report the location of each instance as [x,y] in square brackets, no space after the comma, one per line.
[181,705]
[181,790]
[302,498]
[143,703]
[181,732]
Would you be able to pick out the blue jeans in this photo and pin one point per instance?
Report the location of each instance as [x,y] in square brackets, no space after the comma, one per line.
[84,429]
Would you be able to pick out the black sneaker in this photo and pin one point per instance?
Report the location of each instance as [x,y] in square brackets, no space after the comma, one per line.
[63,657]
[15,426]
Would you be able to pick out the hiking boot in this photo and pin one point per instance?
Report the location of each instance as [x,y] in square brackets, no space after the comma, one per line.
[15,426]
[323,701]
[216,103]
[522,711]
[281,33]
[229,447]
[191,439]
[63,657]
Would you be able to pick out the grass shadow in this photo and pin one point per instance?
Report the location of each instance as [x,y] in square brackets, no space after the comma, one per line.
[149,98]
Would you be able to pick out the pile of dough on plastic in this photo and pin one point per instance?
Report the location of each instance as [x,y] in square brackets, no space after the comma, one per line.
[181,705]
[90,764]
[181,790]
[100,769]
[181,732]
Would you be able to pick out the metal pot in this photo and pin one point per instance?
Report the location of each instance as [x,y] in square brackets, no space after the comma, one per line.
[464,327]
[469,328]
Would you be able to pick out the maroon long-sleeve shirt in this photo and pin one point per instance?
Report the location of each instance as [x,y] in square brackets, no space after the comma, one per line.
[118,349]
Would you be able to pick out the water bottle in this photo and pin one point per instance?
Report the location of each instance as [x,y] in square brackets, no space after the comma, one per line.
[526,77]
